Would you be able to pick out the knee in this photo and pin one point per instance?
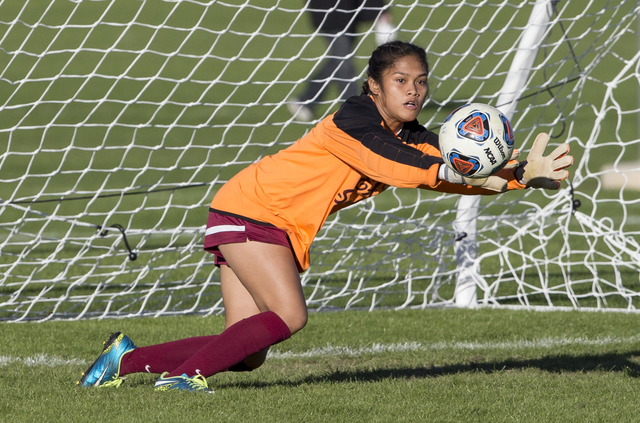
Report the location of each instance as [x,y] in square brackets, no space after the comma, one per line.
[295,320]
[255,360]
[248,364]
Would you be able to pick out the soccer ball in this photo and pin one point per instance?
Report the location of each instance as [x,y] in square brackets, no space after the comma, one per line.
[476,140]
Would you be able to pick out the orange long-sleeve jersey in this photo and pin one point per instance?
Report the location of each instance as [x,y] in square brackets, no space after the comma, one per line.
[347,157]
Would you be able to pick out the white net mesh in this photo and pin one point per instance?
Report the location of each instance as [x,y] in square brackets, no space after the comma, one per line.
[119,120]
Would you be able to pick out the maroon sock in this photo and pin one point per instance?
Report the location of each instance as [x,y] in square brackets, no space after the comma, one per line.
[236,343]
[162,358]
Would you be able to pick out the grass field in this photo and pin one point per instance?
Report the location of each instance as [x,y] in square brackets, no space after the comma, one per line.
[437,365]
[118,108]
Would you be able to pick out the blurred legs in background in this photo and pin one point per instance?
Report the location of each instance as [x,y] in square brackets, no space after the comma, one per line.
[337,67]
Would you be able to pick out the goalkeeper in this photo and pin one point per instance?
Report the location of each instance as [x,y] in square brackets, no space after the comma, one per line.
[262,222]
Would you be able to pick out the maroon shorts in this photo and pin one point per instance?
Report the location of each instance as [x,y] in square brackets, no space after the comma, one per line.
[225,229]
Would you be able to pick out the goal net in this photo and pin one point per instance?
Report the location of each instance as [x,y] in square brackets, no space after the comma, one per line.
[120,119]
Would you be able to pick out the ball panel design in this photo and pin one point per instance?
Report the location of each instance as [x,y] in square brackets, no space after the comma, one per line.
[508,131]
[464,165]
[474,126]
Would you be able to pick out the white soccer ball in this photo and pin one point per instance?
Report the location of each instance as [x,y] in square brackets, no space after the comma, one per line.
[476,140]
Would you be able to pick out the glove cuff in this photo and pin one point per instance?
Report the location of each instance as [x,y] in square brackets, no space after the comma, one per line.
[519,173]
[446,174]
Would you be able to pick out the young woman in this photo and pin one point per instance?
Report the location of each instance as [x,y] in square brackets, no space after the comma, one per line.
[262,222]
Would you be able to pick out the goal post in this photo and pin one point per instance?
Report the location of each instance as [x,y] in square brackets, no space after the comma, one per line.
[465,223]
[119,121]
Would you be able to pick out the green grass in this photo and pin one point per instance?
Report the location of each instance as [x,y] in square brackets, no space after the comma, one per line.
[470,365]
[457,366]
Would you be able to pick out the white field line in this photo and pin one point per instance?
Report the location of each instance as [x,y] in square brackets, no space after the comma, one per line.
[330,351]
[41,360]
[334,351]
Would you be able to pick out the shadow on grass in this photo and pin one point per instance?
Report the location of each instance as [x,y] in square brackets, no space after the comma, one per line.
[556,364]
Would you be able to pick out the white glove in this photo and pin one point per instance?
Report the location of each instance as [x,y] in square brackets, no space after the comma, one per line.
[546,172]
[385,30]
[492,183]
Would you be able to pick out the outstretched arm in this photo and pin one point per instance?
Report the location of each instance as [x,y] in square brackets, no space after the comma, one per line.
[538,171]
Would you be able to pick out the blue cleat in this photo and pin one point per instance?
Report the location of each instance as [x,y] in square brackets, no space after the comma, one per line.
[197,383]
[105,371]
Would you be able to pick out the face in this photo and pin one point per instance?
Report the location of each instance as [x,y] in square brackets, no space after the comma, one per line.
[402,93]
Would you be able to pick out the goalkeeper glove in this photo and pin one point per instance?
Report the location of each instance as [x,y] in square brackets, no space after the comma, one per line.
[492,183]
[546,172]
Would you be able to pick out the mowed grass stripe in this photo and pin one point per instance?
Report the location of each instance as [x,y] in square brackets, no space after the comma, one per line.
[374,349]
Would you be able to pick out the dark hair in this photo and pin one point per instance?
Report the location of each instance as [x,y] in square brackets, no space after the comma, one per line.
[386,55]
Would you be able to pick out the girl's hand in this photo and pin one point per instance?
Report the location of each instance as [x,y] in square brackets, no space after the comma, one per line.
[546,172]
